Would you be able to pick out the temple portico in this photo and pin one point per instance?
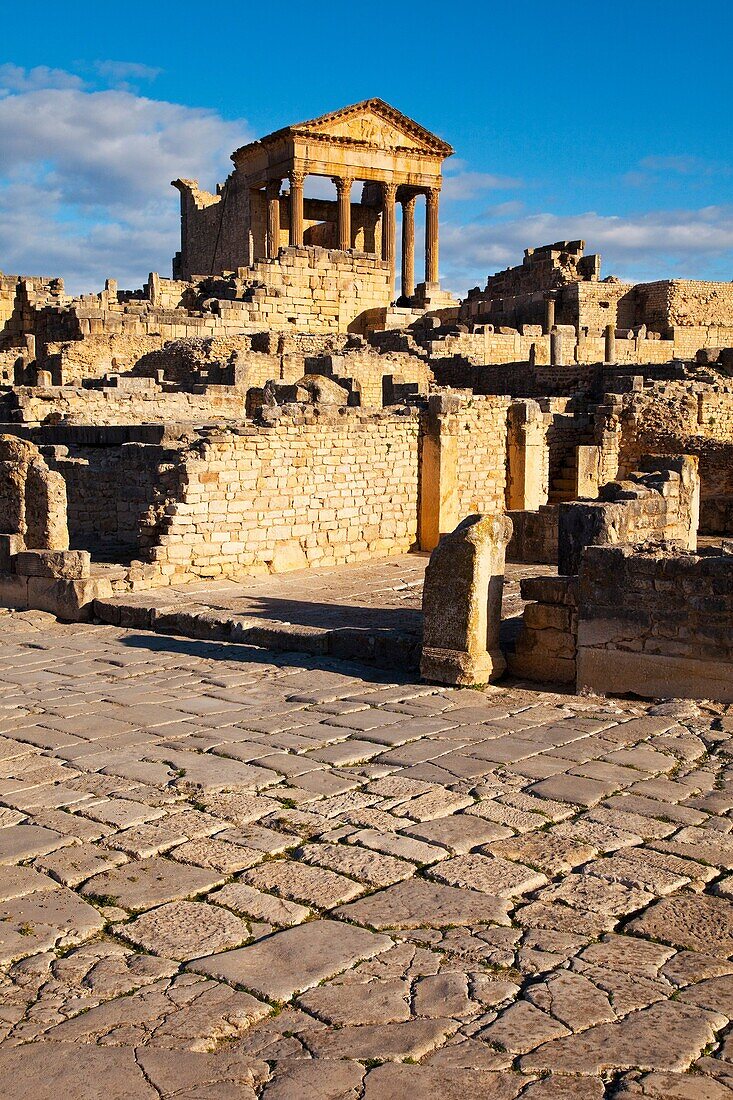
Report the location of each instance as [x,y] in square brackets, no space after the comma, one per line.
[394,159]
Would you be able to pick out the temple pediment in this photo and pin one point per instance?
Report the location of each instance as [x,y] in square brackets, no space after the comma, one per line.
[373,123]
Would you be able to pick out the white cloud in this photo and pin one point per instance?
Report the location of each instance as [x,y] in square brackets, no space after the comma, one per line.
[126,71]
[13,78]
[469,185]
[683,243]
[85,180]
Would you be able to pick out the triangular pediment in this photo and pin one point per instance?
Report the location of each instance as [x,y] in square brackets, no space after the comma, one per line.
[374,123]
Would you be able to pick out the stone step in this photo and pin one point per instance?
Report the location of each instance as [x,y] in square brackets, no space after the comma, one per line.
[385,649]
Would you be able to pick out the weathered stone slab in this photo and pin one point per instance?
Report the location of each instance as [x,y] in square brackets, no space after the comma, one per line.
[416,903]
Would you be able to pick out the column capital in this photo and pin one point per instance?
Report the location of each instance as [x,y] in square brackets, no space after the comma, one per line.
[408,200]
[297,178]
[432,194]
[343,184]
[389,190]
[272,188]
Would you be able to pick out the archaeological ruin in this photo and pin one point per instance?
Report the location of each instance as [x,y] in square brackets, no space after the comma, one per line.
[286,403]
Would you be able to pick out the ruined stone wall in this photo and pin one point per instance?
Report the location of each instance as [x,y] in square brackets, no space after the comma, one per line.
[685,303]
[124,404]
[481,431]
[306,491]
[656,622]
[593,305]
[110,492]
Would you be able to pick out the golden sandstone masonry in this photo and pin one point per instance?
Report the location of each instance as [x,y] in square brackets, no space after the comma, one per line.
[290,401]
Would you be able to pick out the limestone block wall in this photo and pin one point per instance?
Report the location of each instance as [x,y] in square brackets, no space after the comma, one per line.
[124,404]
[318,491]
[546,646]
[660,504]
[655,622]
[481,468]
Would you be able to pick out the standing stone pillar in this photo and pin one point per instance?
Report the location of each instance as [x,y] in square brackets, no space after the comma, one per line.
[438,471]
[296,209]
[431,236]
[556,349]
[610,350]
[389,192]
[464,582]
[549,314]
[408,246]
[272,193]
[528,459]
[343,230]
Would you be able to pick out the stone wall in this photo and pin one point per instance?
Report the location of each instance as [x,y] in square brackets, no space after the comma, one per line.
[481,432]
[659,504]
[656,622]
[307,491]
[546,646]
[124,403]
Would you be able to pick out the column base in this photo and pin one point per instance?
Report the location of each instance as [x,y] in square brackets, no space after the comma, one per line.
[450,666]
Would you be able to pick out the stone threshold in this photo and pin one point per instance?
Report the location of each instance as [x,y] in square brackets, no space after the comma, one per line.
[382,648]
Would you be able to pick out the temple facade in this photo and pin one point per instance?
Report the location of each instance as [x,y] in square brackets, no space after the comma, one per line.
[261,208]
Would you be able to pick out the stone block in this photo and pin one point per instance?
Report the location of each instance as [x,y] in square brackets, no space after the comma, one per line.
[10,545]
[616,672]
[462,595]
[72,600]
[13,592]
[68,564]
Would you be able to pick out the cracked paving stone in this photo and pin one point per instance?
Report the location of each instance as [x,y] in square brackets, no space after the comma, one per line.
[217,853]
[15,882]
[291,961]
[145,883]
[573,1000]
[633,872]
[239,807]
[566,1088]
[551,854]
[315,1079]
[628,954]
[666,1036]
[415,903]
[202,1076]
[406,1082]
[258,906]
[370,1002]
[45,1072]
[399,845]
[444,994]
[304,883]
[142,841]
[699,922]
[599,895]
[521,1028]
[186,930]
[189,1012]
[490,874]
[563,918]
[359,863]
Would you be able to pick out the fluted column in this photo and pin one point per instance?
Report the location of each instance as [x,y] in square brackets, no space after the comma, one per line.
[343,192]
[408,246]
[272,192]
[431,235]
[296,208]
[389,192]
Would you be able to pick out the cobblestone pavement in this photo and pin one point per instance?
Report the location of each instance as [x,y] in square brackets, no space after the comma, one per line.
[226,874]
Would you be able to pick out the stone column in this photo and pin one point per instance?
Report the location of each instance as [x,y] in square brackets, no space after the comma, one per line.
[556,349]
[549,313]
[464,581]
[528,461]
[272,192]
[408,246]
[610,340]
[438,471]
[431,236]
[296,209]
[343,192]
[389,191]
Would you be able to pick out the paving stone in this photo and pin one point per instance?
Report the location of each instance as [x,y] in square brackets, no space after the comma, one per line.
[446,994]
[674,1086]
[145,883]
[666,1036]
[186,930]
[400,845]
[16,882]
[366,866]
[575,789]
[304,883]
[43,920]
[253,903]
[491,874]
[396,1041]
[77,862]
[239,807]
[573,1000]
[589,892]
[416,903]
[698,922]
[21,842]
[369,1002]
[217,853]
[319,1079]
[44,1071]
[406,1082]
[457,833]
[295,959]
[521,1028]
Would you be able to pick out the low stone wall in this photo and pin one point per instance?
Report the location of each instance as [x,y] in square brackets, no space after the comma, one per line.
[534,537]
[133,401]
[545,649]
[662,503]
[656,622]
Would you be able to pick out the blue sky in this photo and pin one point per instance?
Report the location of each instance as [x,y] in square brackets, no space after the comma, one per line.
[609,121]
